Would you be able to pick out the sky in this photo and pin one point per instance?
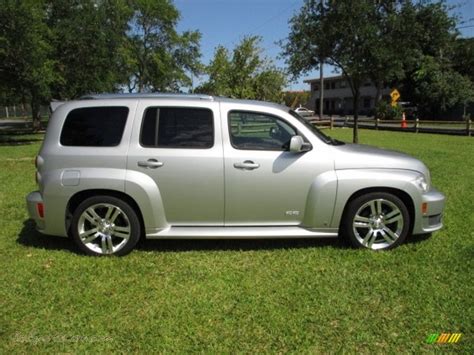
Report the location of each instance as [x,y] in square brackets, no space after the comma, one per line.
[226,22]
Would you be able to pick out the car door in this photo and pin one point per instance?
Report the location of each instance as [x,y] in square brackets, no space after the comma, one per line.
[265,184]
[179,145]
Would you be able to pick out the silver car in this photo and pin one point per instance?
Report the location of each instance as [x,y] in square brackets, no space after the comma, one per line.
[304,112]
[113,168]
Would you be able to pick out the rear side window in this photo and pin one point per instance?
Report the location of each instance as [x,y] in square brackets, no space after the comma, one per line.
[94,127]
[177,127]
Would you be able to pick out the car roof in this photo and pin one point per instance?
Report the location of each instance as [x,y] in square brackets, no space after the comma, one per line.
[180,97]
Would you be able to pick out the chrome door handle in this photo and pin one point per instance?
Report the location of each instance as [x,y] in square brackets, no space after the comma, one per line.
[150,163]
[247,165]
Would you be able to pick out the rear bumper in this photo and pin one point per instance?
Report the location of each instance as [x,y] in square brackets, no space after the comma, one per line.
[432,220]
[32,201]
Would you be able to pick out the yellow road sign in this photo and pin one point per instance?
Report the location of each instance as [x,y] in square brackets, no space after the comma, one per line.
[395,95]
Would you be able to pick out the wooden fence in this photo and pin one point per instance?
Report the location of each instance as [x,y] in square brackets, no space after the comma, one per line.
[417,125]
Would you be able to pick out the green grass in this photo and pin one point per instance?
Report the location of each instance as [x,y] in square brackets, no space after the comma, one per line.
[242,296]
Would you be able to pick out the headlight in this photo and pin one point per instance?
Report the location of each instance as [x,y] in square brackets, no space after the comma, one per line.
[422,183]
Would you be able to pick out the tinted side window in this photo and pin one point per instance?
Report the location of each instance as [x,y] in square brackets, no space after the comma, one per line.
[177,127]
[256,131]
[94,127]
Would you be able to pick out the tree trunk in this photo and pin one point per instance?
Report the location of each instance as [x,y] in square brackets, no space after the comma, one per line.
[378,93]
[356,96]
[35,114]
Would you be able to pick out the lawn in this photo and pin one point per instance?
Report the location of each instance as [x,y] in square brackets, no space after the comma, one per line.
[242,296]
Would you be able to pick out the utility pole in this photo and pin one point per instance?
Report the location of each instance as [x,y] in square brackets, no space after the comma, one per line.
[321,88]
[321,76]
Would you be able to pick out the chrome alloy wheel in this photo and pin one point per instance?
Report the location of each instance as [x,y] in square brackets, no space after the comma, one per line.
[378,224]
[104,228]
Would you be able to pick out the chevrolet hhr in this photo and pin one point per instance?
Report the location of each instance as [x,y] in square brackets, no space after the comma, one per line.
[113,168]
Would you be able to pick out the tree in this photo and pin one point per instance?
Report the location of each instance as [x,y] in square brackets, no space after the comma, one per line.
[245,74]
[26,65]
[86,36]
[437,66]
[343,32]
[463,57]
[463,63]
[437,89]
[295,98]
[156,56]
[384,41]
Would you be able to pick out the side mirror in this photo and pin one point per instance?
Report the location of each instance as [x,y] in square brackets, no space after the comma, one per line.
[298,145]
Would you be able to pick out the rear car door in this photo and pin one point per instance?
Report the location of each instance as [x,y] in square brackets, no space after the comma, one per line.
[179,145]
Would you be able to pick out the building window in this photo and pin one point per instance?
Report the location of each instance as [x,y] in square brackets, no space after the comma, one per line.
[333,85]
[326,86]
[315,87]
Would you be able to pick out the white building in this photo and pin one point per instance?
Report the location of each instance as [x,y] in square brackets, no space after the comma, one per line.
[338,96]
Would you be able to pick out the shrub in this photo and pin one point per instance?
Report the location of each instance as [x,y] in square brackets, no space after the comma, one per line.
[385,111]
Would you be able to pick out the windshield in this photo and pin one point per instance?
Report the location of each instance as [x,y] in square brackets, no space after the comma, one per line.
[312,128]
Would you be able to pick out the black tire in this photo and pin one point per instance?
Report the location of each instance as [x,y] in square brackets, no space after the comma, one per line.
[127,217]
[359,236]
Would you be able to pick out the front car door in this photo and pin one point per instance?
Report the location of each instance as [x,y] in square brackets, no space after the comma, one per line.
[179,145]
[265,184]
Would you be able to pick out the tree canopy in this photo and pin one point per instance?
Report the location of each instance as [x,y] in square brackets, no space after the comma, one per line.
[157,57]
[245,73]
[391,42]
[86,40]
[62,49]
[26,60]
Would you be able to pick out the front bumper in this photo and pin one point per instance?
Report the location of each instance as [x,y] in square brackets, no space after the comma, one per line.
[431,220]
[32,201]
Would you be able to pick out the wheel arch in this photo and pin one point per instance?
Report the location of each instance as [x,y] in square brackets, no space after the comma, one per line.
[402,195]
[80,196]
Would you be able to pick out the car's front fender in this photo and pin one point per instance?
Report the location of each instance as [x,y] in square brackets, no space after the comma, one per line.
[350,181]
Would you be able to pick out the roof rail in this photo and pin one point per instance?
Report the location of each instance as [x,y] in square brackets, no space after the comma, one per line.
[147,95]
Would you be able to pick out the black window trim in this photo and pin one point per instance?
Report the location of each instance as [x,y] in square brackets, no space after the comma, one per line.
[266,114]
[182,107]
[94,146]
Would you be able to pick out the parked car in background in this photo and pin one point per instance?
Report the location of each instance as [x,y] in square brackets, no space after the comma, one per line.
[304,112]
[114,168]
[409,109]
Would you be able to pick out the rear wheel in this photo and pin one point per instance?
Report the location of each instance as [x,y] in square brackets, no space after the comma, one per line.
[377,221]
[105,225]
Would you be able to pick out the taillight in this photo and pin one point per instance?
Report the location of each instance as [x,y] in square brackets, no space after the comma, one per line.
[40,209]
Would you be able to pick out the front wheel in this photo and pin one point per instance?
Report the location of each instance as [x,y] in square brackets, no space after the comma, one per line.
[105,225]
[376,221]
